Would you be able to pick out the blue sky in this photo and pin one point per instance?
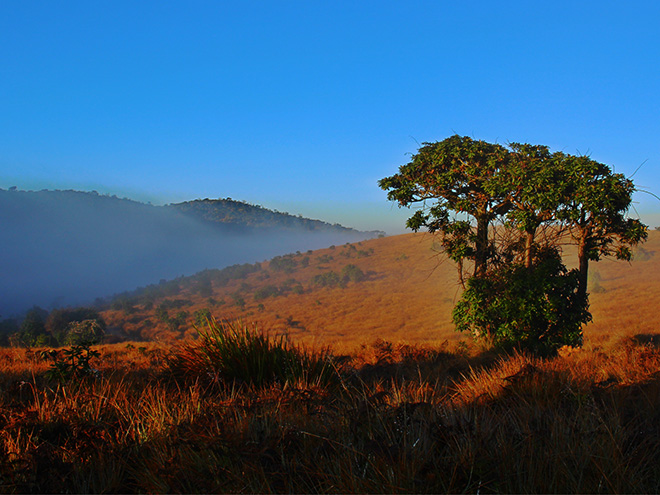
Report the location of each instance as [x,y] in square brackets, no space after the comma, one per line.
[303,105]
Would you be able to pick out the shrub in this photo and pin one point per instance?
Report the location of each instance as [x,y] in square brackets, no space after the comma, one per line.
[537,309]
[266,292]
[286,264]
[232,352]
[325,258]
[73,363]
[201,316]
[238,299]
[84,332]
[65,323]
[327,279]
[352,273]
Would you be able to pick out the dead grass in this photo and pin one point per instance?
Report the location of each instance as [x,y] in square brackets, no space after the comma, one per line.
[403,418]
[407,296]
[415,409]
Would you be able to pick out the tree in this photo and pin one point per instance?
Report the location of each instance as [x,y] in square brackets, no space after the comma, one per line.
[532,181]
[59,323]
[461,176]
[85,332]
[32,332]
[594,207]
[507,210]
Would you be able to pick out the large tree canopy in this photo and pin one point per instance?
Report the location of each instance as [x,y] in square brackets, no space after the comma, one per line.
[506,209]
[461,176]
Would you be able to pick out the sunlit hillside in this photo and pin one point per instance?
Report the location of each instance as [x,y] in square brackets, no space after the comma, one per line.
[396,288]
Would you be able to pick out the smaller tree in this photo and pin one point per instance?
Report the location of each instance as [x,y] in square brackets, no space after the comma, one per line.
[61,321]
[85,332]
[537,308]
[594,209]
[460,175]
[32,332]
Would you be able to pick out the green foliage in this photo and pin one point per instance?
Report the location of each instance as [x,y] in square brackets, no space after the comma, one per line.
[535,308]
[204,287]
[365,253]
[85,331]
[534,197]
[238,299]
[232,212]
[32,332]
[72,363]
[66,325]
[125,304]
[327,279]
[201,316]
[352,273]
[326,258]
[266,292]
[162,314]
[178,321]
[174,303]
[201,283]
[297,289]
[231,352]
[286,264]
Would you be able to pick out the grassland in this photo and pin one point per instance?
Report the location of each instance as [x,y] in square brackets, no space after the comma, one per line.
[407,295]
[401,403]
[394,418]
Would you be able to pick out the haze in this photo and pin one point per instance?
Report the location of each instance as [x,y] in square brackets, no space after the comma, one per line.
[67,248]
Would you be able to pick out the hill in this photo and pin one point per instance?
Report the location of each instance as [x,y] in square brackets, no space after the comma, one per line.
[396,288]
[240,214]
[59,247]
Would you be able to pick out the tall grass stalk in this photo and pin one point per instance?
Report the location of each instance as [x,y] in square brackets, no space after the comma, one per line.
[233,352]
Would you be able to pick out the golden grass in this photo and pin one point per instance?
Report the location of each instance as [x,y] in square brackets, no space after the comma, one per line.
[407,297]
[416,408]
[403,418]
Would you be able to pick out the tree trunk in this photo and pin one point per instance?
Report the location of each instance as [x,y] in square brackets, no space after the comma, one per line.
[529,244]
[583,267]
[481,246]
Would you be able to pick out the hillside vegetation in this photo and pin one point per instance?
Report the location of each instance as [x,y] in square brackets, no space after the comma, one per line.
[67,247]
[241,214]
[396,288]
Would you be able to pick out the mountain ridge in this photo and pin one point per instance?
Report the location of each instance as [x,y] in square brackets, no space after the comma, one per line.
[60,246]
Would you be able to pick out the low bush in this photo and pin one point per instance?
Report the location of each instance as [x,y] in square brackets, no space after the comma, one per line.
[232,352]
[72,363]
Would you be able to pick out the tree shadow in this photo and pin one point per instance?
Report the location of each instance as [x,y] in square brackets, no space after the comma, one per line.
[650,339]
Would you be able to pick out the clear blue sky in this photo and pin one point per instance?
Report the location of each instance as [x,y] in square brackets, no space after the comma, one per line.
[303,105]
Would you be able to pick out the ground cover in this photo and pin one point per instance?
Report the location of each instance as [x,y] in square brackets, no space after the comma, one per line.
[397,418]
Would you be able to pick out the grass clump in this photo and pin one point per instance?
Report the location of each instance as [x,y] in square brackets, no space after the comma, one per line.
[233,352]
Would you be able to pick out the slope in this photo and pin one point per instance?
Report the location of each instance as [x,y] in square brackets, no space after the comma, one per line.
[396,288]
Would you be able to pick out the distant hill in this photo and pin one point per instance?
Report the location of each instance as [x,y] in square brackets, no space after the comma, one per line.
[63,247]
[241,214]
[396,288]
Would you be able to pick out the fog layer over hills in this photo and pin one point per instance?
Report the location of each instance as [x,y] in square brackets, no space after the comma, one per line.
[67,247]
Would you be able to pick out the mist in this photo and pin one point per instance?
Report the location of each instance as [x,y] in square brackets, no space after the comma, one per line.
[64,248]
